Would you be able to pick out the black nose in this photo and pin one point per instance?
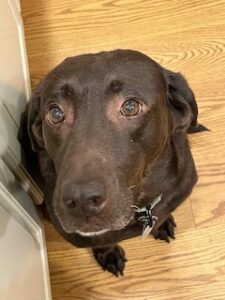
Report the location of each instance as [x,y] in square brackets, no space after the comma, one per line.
[88,196]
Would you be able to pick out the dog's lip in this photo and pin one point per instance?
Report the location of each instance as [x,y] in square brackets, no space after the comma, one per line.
[102,231]
[93,233]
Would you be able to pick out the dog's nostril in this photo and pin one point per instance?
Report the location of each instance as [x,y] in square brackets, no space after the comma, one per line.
[95,201]
[70,203]
[85,197]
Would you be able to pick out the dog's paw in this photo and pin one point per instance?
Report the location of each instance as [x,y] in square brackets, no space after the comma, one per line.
[112,259]
[166,230]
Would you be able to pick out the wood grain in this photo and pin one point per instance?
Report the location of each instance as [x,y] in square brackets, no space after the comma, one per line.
[185,36]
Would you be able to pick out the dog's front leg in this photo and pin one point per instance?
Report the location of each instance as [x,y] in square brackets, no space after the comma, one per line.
[111,258]
[166,230]
[165,225]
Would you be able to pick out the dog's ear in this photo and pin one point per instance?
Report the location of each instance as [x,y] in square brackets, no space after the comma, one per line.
[35,121]
[181,101]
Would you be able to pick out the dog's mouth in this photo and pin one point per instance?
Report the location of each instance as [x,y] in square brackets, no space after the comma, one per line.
[89,232]
[96,226]
[92,233]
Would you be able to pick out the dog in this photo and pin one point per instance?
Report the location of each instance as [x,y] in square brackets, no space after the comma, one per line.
[110,130]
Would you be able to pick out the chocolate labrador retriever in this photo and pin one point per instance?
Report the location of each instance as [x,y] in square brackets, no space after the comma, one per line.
[110,130]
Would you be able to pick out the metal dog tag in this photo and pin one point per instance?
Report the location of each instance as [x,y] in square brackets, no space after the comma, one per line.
[148,229]
[144,215]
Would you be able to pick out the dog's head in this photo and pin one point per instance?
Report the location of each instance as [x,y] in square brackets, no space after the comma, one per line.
[103,119]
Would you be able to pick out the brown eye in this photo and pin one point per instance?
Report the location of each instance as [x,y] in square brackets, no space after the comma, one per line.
[56,115]
[130,108]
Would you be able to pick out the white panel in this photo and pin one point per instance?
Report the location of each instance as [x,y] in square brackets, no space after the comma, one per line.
[14,91]
[20,262]
[23,262]
[14,76]
[10,152]
[14,188]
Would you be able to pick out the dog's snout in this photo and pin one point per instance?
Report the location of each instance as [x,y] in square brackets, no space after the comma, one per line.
[90,197]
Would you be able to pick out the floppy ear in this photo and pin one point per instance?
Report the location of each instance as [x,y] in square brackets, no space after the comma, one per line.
[181,101]
[34,120]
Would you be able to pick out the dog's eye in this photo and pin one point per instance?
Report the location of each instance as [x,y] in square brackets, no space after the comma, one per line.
[55,115]
[131,108]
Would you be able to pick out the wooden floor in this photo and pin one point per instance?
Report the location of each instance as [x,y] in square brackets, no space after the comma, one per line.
[186,36]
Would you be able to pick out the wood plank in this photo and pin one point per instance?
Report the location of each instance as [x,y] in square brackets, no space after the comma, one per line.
[192,267]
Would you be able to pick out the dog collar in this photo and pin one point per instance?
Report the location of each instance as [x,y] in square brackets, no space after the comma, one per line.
[144,216]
